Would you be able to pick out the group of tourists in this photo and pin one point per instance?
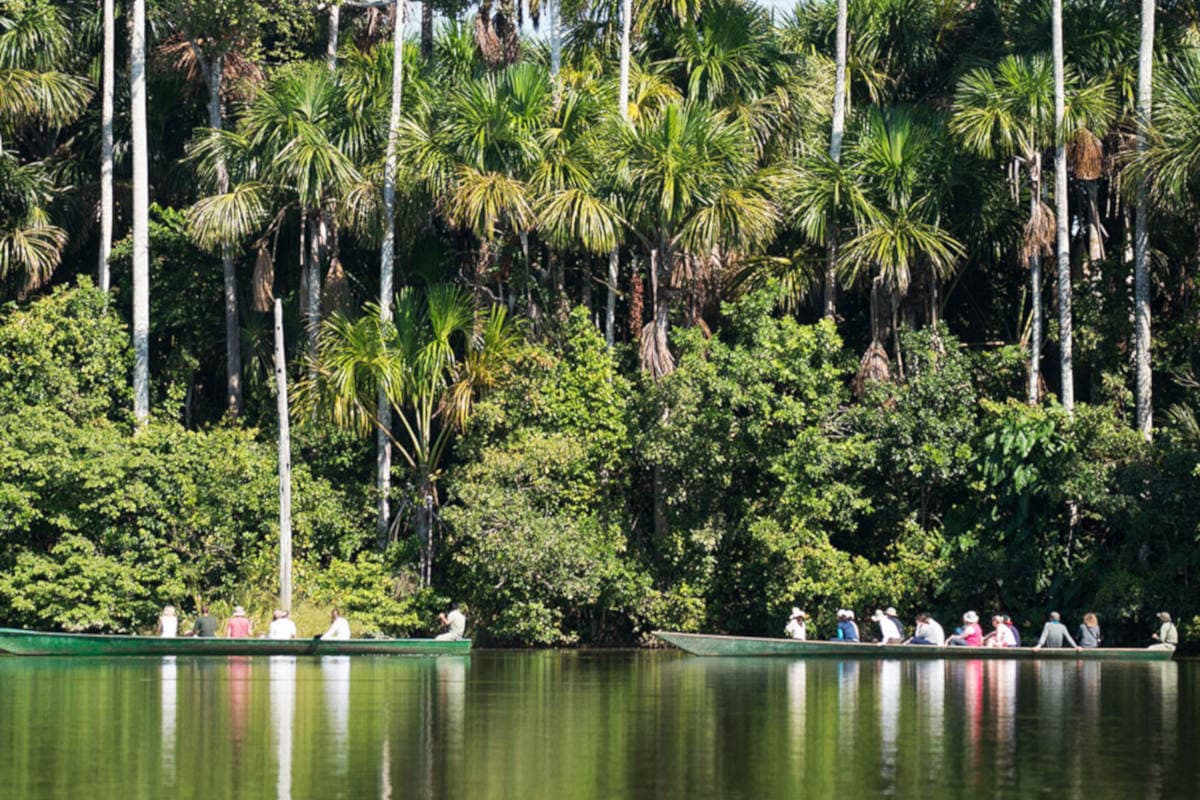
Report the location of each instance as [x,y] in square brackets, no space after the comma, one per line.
[239,625]
[1004,632]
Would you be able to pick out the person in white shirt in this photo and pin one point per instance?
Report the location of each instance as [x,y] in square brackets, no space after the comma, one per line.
[168,623]
[281,627]
[889,631]
[929,631]
[797,627]
[339,627]
[455,623]
[1001,635]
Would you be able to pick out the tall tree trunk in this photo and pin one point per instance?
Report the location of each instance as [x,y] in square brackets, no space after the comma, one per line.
[427,30]
[141,216]
[1095,227]
[614,258]
[1061,212]
[331,46]
[1141,268]
[312,272]
[555,9]
[387,255]
[837,132]
[285,465]
[106,146]
[1035,286]
[233,346]
[423,522]
[610,308]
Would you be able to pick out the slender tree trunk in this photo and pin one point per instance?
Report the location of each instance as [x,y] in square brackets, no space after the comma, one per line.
[614,257]
[423,522]
[610,309]
[1141,268]
[1035,286]
[106,146]
[387,255]
[1095,230]
[141,216]
[312,269]
[335,21]
[1062,219]
[835,153]
[555,9]
[285,465]
[233,345]
[427,30]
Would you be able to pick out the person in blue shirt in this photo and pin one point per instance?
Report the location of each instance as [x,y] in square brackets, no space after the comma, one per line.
[847,630]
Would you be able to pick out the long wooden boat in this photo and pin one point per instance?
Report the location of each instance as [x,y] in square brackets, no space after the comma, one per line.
[700,644]
[36,643]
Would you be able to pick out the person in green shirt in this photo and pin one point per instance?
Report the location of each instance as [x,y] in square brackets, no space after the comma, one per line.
[205,625]
[1167,637]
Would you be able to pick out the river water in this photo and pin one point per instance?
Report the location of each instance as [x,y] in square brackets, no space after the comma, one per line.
[594,725]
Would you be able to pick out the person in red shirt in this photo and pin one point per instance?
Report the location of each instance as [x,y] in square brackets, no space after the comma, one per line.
[970,634]
[238,626]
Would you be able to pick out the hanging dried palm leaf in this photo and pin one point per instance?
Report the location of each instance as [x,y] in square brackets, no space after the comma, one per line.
[336,297]
[496,37]
[873,368]
[1085,153]
[264,279]
[637,303]
[1038,237]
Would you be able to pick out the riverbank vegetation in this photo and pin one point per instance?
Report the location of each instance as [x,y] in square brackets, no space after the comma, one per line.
[599,332]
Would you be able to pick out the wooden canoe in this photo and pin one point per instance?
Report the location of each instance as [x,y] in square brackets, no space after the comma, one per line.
[700,644]
[36,643]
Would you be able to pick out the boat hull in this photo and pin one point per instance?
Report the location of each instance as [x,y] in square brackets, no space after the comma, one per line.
[710,645]
[36,643]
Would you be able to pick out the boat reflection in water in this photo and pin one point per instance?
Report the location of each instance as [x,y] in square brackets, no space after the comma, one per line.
[283,712]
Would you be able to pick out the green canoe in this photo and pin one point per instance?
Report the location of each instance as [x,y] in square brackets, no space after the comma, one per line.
[36,643]
[700,644]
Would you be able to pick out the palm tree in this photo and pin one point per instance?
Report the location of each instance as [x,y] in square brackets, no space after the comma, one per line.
[694,195]
[431,359]
[1062,234]
[141,217]
[897,169]
[35,98]
[1008,112]
[1144,420]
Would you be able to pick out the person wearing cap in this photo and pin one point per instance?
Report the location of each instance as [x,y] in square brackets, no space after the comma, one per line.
[970,634]
[889,631]
[890,611]
[238,626]
[928,631]
[1054,634]
[847,630]
[281,626]
[797,627]
[1167,637]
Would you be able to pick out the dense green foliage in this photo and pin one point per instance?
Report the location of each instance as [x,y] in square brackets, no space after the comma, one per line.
[613,398]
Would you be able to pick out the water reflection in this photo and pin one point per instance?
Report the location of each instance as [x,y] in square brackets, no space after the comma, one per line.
[889,721]
[797,692]
[283,711]
[239,697]
[335,677]
[847,704]
[1001,681]
[169,694]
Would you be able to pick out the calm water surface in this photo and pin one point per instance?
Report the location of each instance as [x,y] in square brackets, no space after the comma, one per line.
[603,725]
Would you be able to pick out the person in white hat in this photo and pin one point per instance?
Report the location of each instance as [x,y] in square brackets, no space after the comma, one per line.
[895,617]
[889,631]
[970,634]
[847,629]
[797,627]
